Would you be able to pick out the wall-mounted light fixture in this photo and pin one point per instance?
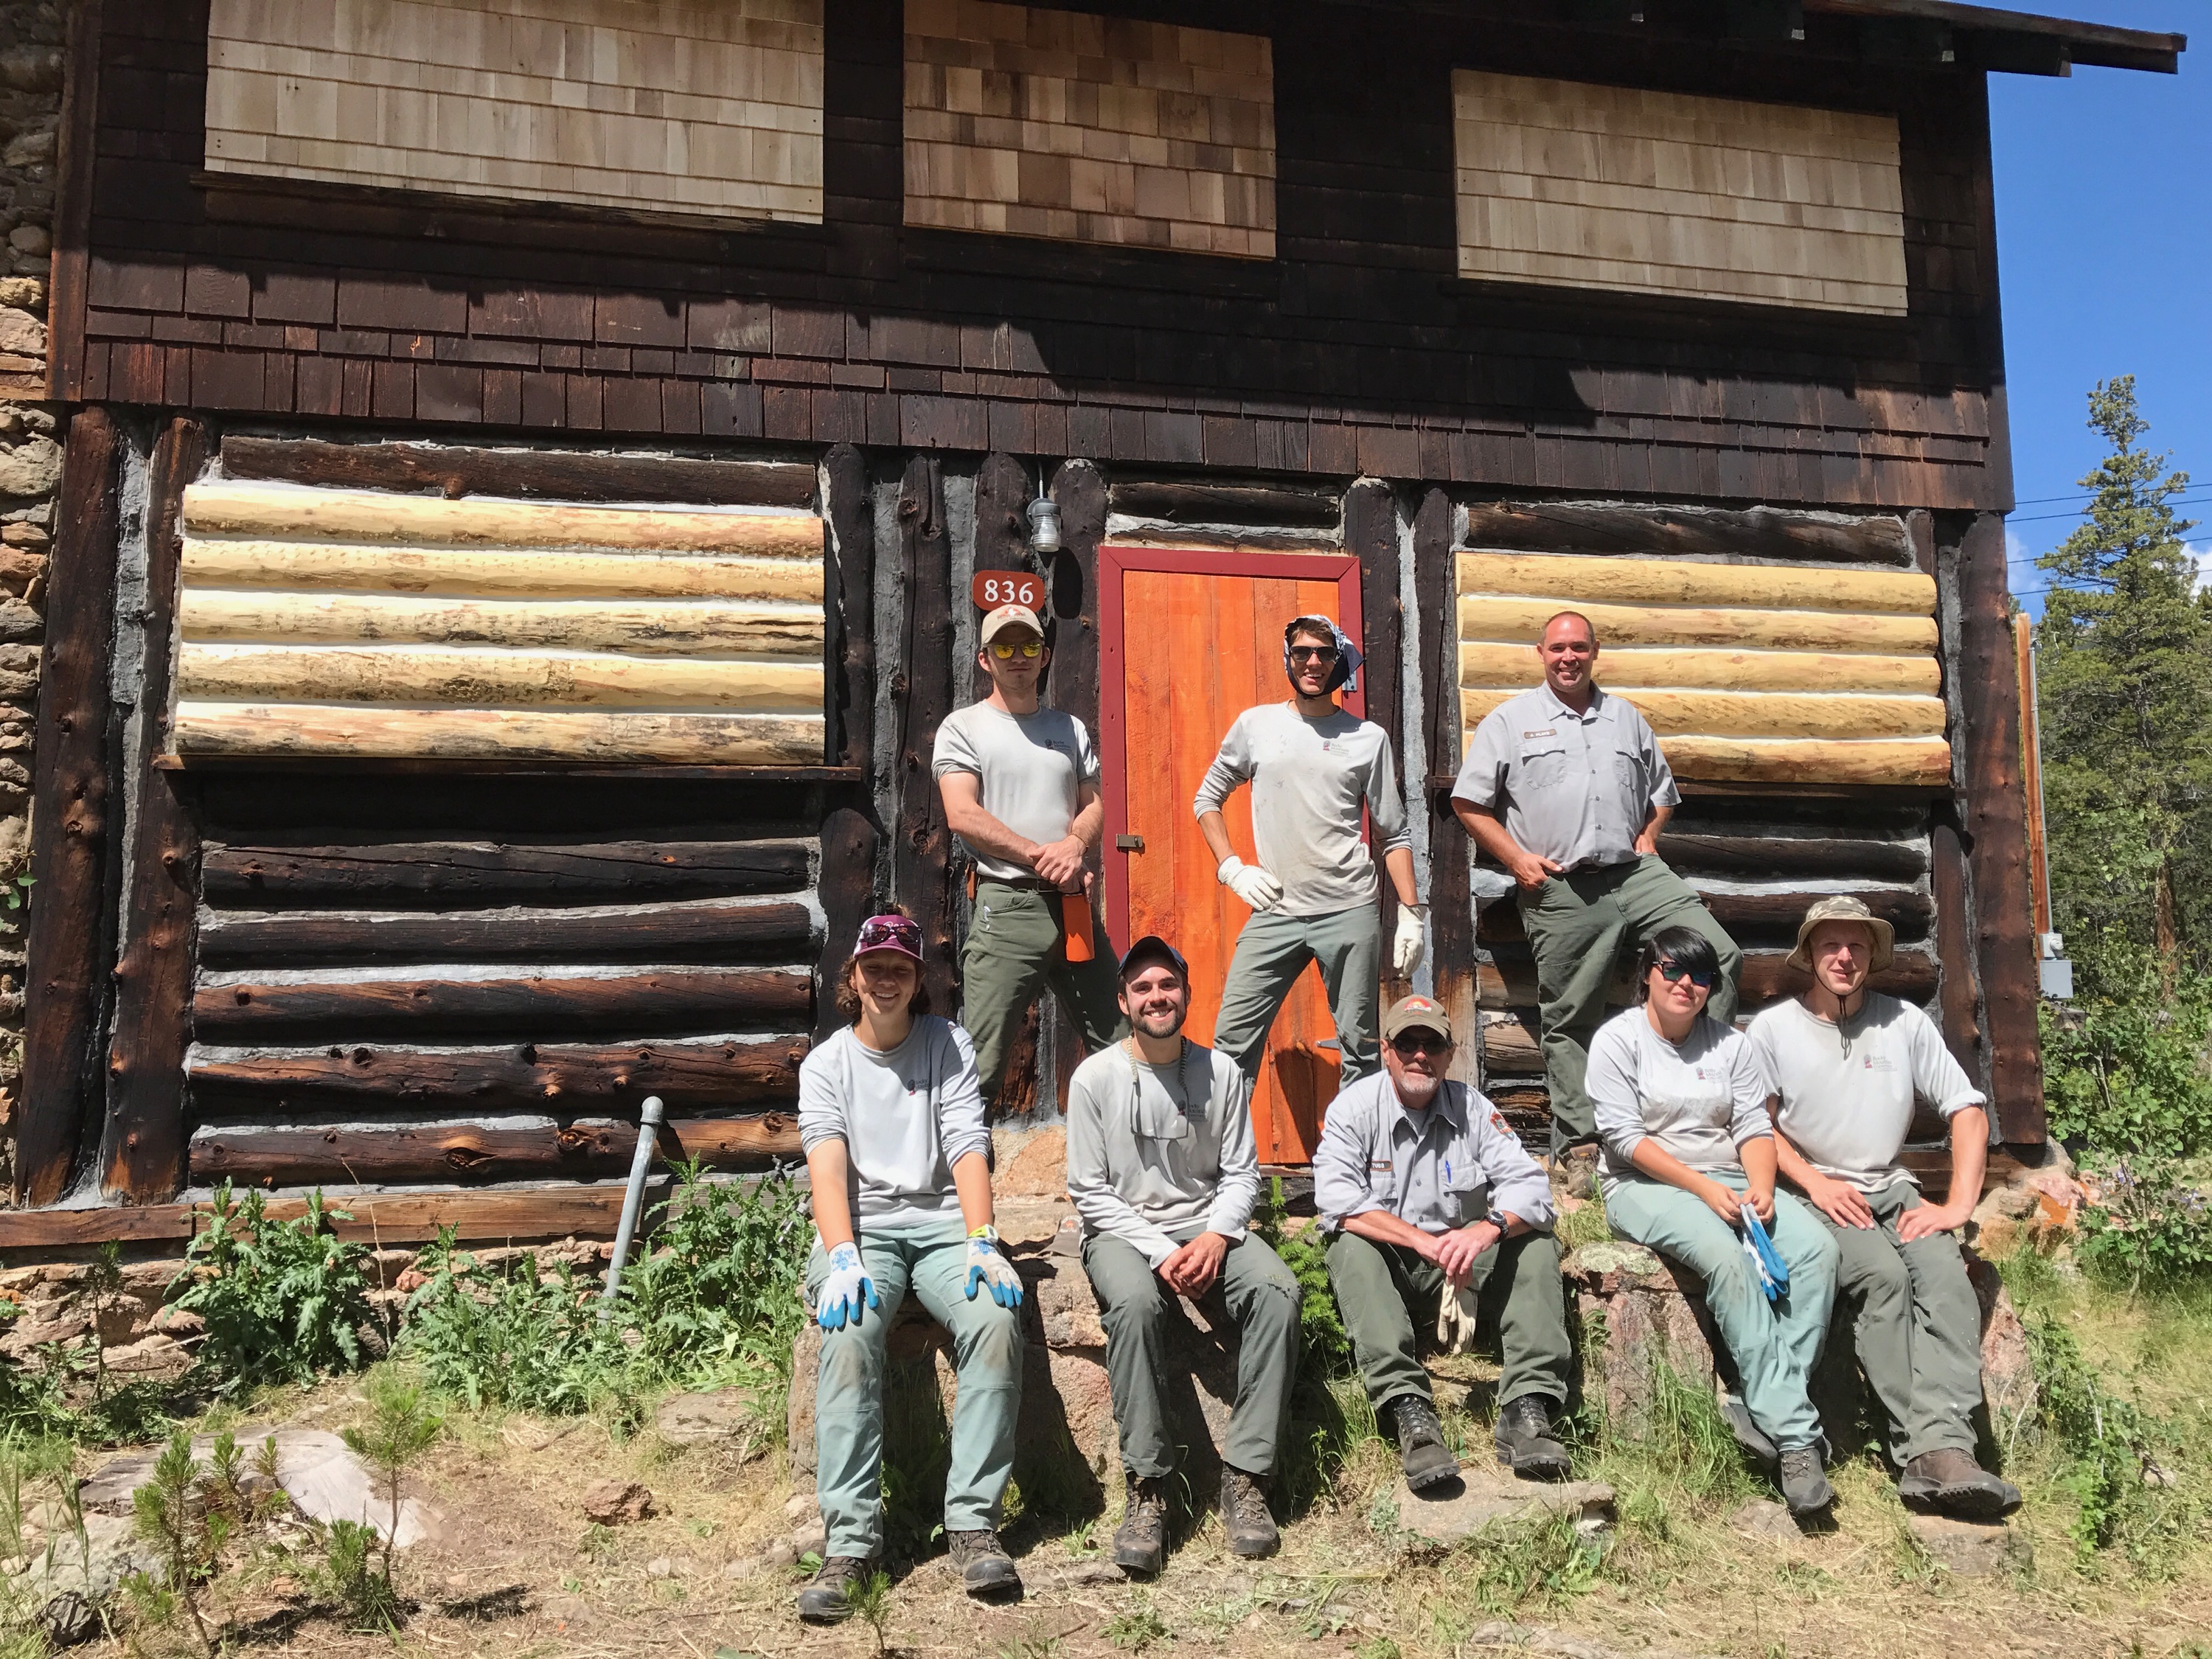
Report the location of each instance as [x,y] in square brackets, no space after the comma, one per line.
[1044,525]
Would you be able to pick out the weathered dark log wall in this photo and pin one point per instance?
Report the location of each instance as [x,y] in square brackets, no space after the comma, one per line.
[1357,350]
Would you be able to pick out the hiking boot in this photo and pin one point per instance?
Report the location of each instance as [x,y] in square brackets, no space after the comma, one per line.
[1140,1542]
[986,1569]
[1245,1515]
[1952,1481]
[1748,1434]
[1422,1453]
[823,1602]
[1804,1488]
[1524,1440]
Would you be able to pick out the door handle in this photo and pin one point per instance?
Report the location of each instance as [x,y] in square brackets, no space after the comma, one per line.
[1129,843]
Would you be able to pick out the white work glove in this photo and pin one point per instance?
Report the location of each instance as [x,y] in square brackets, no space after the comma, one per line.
[1249,883]
[1412,940]
[846,1291]
[1457,1311]
[987,1267]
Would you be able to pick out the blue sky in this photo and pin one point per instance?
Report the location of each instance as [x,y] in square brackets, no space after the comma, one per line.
[2104,188]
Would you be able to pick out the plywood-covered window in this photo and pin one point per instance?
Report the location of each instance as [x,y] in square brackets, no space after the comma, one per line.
[1089,129]
[1747,673]
[1564,183]
[326,621]
[704,107]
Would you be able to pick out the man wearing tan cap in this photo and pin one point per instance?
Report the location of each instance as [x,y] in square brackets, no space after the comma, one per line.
[1846,1063]
[1440,1217]
[1020,784]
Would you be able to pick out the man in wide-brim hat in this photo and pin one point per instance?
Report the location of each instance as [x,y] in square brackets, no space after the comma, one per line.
[1846,1063]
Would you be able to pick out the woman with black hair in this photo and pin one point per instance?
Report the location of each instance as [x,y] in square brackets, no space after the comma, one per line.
[1681,1108]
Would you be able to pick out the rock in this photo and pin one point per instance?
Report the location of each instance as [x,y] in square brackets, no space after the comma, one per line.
[28,292]
[617,1503]
[1075,1576]
[728,1419]
[1763,1519]
[1973,1549]
[149,1355]
[1484,1496]
[1637,1311]
[22,333]
[801,1507]
[323,1480]
[30,239]
[1037,1167]
[78,1578]
[660,1567]
[32,467]
[2008,1368]
[743,1567]
[29,150]
[31,69]
[780,1552]
[69,1619]
[812,1540]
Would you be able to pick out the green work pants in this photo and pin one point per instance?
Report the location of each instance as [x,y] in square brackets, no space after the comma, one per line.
[1259,1297]
[1579,926]
[1388,1293]
[1774,1344]
[1014,951]
[932,1262]
[1916,1324]
[1271,952]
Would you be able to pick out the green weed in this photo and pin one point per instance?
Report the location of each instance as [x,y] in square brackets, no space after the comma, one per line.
[284,1301]
[1137,1628]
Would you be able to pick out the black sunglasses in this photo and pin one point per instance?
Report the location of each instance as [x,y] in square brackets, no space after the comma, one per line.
[1410,1043]
[1313,653]
[1702,978]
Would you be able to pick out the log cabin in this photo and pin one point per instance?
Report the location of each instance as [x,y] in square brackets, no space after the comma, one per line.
[527,464]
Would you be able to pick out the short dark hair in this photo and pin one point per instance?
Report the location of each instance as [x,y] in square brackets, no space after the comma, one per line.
[1686,947]
[847,999]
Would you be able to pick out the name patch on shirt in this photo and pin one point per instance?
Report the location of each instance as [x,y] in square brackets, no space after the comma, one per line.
[1548,732]
[1381,1167]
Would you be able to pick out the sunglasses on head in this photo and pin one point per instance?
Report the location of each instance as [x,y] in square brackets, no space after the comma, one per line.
[1313,653]
[888,934]
[1671,972]
[1027,648]
[1409,1043]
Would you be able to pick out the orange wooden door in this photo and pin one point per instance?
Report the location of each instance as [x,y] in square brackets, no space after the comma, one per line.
[1197,649]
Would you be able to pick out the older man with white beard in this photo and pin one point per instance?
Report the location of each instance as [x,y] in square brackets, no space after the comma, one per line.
[1440,1217]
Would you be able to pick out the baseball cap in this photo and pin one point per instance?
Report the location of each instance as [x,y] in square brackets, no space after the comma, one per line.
[896,933]
[1010,616]
[1409,1013]
[1150,949]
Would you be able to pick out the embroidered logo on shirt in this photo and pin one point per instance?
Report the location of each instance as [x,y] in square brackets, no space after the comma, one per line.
[1497,1122]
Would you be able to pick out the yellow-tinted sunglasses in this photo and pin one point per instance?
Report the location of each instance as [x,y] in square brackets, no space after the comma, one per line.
[1027,647]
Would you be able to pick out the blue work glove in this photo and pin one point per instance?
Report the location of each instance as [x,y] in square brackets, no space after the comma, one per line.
[845,1291]
[987,1267]
[1773,1272]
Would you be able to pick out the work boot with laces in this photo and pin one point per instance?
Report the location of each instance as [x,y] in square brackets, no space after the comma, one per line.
[1245,1516]
[1140,1542]
[1950,1481]
[1804,1488]
[1525,1444]
[823,1602]
[986,1569]
[1422,1453]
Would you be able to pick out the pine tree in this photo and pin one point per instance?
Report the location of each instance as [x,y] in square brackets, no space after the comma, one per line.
[2125,704]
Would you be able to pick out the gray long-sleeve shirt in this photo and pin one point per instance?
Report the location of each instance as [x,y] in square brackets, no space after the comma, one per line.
[906,1118]
[1154,1149]
[1442,1166]
[1309,779]
[1701,1098]
[1573,787]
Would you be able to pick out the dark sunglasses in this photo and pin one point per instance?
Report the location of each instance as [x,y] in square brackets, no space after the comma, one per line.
[1410,1043]
[1313,653]
[888,933]
[1672,971]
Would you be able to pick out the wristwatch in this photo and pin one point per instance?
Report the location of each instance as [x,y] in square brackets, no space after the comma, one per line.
[1500,1220]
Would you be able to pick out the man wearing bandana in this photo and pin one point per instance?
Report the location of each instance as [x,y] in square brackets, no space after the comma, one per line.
[1312,768]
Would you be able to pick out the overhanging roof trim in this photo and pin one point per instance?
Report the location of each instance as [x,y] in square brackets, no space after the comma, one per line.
[2100,44]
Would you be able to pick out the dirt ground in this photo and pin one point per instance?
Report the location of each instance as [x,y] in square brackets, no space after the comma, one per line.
[515,1571]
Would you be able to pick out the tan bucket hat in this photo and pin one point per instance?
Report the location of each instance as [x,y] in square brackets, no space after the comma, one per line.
[1843,908]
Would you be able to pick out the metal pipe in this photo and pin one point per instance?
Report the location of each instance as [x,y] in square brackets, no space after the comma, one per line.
[648,1123]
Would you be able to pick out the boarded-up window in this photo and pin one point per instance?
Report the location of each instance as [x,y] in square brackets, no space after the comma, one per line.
[1747,673]
[1089,129]
[354,623]
[1590,186]
[708,106]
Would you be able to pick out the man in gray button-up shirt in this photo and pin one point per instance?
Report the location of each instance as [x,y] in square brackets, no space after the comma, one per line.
[1439,1216]
[1565,787]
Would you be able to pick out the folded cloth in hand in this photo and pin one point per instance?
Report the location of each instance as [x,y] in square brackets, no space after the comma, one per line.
[1765,1260]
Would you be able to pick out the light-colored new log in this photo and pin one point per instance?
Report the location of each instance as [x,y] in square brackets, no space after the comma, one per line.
[649,626]
[702,739]
[1762,714]
[1924,763]
[1508,619]
[1631,668]
[224,508]
[251,673]
[224,563]
[1675,581]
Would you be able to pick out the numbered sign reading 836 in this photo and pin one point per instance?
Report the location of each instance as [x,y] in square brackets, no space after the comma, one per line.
[994,589]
